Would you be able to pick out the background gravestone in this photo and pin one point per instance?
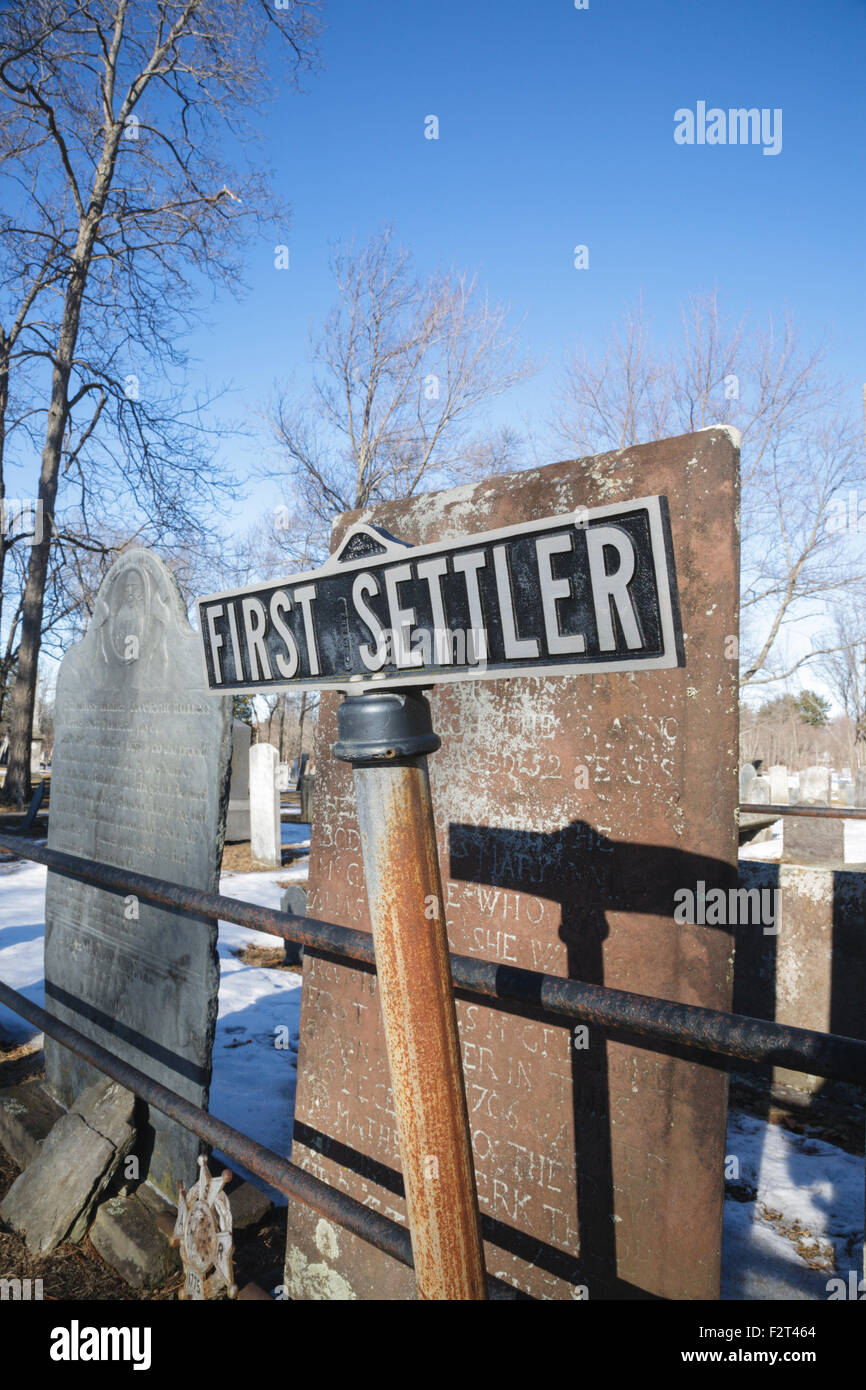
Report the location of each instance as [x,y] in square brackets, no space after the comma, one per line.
[139,780]
[814,786]
[238,814]
[265,827]
[778,776]
[569,811]
[759,791]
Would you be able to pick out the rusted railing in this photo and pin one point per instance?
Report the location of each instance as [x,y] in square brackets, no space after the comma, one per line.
[271,1167]
[616,1011]
[825,812]
[710,1030]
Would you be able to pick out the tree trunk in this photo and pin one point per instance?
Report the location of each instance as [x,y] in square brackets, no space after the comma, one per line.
[17,785]
[301,723]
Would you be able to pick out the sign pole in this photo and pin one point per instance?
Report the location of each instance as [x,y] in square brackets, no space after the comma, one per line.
[386,736]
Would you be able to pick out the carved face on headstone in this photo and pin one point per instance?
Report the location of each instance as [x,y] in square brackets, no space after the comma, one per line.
[129,617]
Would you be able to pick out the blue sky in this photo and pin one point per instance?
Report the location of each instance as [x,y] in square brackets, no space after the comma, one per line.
[556,128]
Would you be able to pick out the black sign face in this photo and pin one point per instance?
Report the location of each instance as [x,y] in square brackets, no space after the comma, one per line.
[594,590]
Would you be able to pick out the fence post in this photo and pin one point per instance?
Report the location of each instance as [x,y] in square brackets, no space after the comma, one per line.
[386,737]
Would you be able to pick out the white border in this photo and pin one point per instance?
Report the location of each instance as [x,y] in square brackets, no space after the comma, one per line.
[396,550]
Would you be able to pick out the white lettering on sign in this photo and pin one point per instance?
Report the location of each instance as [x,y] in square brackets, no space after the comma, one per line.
[554,589]
[549,597]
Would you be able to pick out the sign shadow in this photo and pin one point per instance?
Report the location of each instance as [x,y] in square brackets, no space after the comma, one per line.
[590,876]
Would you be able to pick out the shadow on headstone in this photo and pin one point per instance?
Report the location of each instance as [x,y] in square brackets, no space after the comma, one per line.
[590,876]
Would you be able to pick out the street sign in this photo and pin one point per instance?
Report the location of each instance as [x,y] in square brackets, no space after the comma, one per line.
[591,590]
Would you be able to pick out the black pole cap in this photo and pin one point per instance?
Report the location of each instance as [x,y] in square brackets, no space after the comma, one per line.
[384,725]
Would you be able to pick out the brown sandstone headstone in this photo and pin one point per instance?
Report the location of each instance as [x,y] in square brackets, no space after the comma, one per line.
[569,811]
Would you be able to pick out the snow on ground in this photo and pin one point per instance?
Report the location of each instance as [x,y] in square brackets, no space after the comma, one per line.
[22,932]
[794,1212]
[799,1220]
[256,1042]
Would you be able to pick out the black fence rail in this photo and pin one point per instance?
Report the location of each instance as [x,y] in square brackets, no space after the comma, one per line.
[709,1030]
[615,1011]
[822,812]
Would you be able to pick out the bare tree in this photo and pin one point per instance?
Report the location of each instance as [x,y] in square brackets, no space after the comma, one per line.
[115,120]
[844,671]
[404,365]
[799,453]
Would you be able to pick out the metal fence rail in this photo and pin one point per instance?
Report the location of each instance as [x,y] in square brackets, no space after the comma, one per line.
[618,1011]
[822,812]
[615,1011]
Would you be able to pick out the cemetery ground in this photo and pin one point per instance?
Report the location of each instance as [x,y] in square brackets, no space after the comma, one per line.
[793,1209]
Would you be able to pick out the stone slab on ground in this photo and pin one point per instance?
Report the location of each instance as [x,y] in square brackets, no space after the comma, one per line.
[52,1199]
[27,1116]
[153,1200]
[126,1235]
[249,1205]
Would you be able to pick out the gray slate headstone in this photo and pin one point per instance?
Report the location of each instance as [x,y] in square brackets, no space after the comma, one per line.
[52,1199]
[238,814]
[140,780]
[294,900]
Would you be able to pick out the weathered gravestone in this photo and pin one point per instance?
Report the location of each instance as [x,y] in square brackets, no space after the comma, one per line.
[140,781]
[238,814]
[747,777]
[860,787]
[759,791]
[778,777]
[570,811]
[814,786]
[265,828]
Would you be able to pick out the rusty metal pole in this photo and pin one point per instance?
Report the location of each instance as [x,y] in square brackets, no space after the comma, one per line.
[386,737]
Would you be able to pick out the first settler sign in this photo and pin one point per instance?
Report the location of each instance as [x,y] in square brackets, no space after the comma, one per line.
[594,590]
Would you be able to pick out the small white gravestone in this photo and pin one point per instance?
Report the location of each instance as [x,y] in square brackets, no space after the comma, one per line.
[778,775]
[747,777]
[283,771]
[860,787]
[815,786]
[265,839]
